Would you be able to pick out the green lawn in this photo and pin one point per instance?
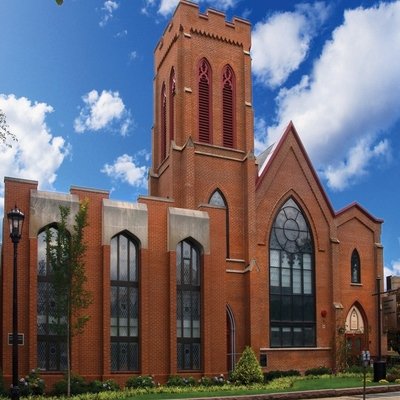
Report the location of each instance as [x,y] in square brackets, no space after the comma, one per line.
[285,384]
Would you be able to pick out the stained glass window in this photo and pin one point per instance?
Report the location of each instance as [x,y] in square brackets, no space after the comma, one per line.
[124,304]
[188,306]
[291,280]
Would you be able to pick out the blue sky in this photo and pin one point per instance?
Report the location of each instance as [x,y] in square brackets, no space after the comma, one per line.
[76,84]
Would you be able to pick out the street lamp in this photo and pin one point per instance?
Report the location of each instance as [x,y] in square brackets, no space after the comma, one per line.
[15,220]
[379,364]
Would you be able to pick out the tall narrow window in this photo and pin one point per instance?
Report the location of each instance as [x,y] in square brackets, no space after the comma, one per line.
[218,199]
[51,345]
[355,267]
[291,280]
[163,122]
[172,91]
[228,106]
[204,101]
[124,323]
[188,306]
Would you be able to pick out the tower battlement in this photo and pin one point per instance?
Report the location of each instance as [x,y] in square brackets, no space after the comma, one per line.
[188,19]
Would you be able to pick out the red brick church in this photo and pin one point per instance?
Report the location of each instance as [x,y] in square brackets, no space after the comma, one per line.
[227,250]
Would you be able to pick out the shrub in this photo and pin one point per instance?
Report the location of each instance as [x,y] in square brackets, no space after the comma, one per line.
[176,380]
[32,384]
[106,386]
[318,371]
[247,370]
[218,380]
[271,375]
[78,386]
[142,382]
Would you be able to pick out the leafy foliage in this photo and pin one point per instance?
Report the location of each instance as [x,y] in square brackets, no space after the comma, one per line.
[318,371]
[247,370]
[59,2]
[66,259]
[271,375]
[176,380]
[145,381]
[5,132]
[32,384]
[97,386]
[215,381]
[77,385]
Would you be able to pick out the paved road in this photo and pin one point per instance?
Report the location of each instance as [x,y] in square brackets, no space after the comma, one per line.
[375,396]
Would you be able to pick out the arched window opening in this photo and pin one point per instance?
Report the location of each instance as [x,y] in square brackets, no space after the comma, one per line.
[291,271]
[51,345]
[204,101]
[230,339]
[188,306]
[172,91]
[218,199]
[228,106]
[163,122]
[355,267]
[124,304]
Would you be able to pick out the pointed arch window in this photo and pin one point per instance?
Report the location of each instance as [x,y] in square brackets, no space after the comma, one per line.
[188,306]
[124,303]
[51,345]
[291,283]
[204,101]
[355,267]
[228,106]
[163,122]
[218,199]
[172,91]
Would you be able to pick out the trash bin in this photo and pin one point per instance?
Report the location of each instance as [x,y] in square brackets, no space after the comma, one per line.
[379,370]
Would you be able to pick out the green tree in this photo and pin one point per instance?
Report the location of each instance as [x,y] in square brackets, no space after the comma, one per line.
[59,2]
[5,130]
[247,369]
[66,257]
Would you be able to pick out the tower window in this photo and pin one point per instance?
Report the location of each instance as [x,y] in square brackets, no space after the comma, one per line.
[228,106]
[163,122]
[172,91]
[204,101]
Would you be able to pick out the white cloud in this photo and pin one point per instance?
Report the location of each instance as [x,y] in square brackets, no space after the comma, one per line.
[125,169]
[260,130]
[133,55]
[102,112]
[109,7]
[351,98]
[393,269]
[37,154]
[281,43]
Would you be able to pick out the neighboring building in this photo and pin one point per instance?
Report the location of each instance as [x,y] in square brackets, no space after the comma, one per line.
[227,250]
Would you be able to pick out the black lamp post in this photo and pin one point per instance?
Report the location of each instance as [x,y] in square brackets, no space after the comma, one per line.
[15,220]
[379,364]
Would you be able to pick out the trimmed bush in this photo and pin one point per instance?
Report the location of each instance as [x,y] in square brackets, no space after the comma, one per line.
[179,381]
[215,381]
[247,370]
[78,386]
[271,375]
[318,371]
[97,386]
[140,382]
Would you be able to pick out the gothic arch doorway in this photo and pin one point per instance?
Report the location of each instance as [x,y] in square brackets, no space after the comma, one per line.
[230,339]
[356,333]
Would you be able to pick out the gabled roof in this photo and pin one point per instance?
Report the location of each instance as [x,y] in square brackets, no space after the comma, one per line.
[267,157]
